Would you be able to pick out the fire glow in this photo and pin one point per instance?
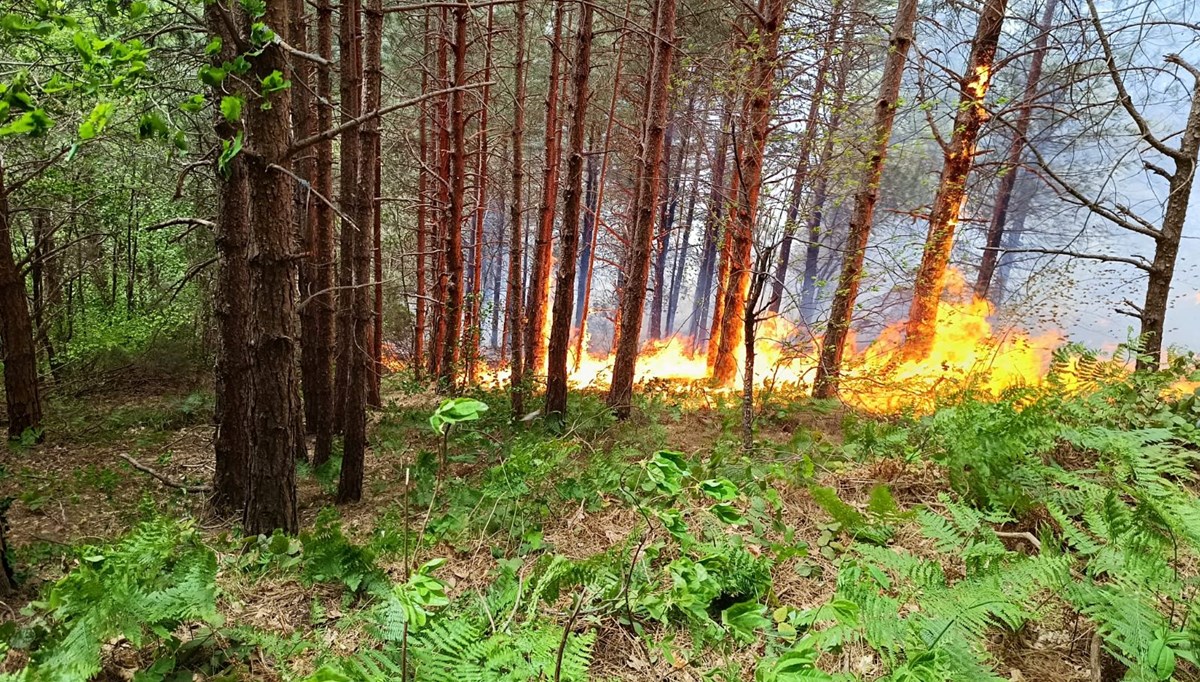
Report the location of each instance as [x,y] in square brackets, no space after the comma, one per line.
[967,353]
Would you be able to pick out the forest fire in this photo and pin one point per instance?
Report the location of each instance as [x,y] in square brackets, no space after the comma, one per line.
[967,354]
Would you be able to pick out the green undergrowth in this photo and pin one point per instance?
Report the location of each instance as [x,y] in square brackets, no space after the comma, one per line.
[911,549]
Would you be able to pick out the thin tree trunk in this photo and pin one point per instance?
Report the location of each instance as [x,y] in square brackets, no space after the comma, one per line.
[633,297]
[590,228]
[816,219]
[1012,167]
[684,239]
[231,308]
[959,158]
[803,152]
[271,492]
[474,327]
[423,201]
[662,240]
[712,227]
[318,388]
[516,216]
[758,119]
[454,222]
[560,328]
[589,269]
[437,337]
[539,279]
[841,314]
[361,358]
[350,93]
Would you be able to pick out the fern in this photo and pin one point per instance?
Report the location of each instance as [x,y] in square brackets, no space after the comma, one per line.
[144,586]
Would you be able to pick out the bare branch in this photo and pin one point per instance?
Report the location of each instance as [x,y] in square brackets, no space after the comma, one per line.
[1136,261]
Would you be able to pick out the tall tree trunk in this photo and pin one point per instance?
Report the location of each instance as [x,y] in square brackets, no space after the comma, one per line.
[841,314]
[271,492]
[423,202]
[757,120]
[539,279]
[959,158]
[454,221]
[803,152]
[350,94]
[21,390]
[1166,248]
[318,383]
[724,263]
[560,327]
[662,238]
[633,297]
[816,218]
[475,326]
[712,226]
[588,269]
[1012,167]
[516,216]
[361,358]
[589,230]
[684,239]
[231,308]
[437,336]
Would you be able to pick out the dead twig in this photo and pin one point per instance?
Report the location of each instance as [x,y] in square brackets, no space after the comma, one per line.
[163,478]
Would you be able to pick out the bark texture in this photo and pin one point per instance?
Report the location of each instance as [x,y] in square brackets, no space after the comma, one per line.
[633,296]
[947,204]
[271,490]
[560,328]
[841,314]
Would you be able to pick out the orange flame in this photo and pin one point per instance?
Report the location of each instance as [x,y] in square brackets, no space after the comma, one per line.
[967,354]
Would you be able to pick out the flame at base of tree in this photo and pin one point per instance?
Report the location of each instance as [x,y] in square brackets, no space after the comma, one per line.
[968,355]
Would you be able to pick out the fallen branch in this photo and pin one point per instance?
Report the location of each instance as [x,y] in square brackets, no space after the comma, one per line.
[1021,535]
[164,479]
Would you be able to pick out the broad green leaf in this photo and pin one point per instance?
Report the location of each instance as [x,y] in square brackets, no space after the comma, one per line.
[95,123]
[33,123]
[231,108]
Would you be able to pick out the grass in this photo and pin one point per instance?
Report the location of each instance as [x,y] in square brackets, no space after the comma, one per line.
[709,563]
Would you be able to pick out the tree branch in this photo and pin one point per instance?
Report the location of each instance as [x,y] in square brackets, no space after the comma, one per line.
[1136,261]
[309,141]
[1122,94]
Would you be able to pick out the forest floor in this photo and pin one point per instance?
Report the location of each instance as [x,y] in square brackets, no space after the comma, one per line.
[833,551]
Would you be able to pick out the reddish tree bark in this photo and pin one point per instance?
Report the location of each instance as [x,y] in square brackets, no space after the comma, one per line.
[454,218]
[757,117]
[350,94]
[662,238]
[841,314]
[633,297]
[231,308]
[271,489]
[21,390]
[560,328]
[1012,167]
[539,278]
[475,324]
[514,299]
[318,386]
[585,284]
[361,359]
[959,158]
